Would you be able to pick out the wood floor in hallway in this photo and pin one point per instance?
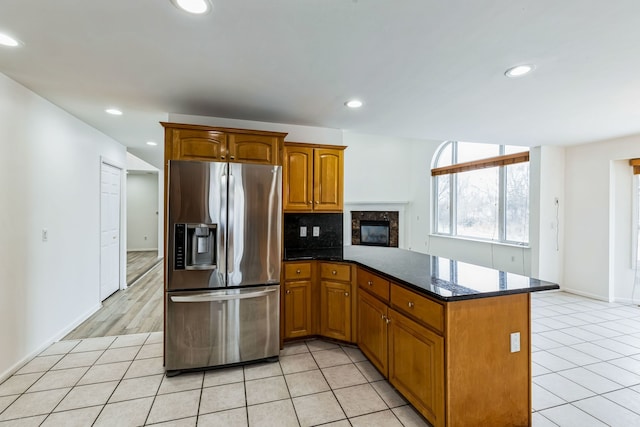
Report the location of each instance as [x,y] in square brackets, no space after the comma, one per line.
[134,310]
[139,262]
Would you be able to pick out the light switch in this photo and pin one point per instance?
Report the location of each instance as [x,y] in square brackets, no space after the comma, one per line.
[316,231]
[303,231]
[45,234]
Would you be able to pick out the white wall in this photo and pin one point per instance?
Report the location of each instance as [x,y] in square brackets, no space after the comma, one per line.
[142,211]
[598,206]
[389,173]
[394,173]
[50,178]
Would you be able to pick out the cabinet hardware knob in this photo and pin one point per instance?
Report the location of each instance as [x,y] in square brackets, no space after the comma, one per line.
[288,291]
[222,157]
[411,304]
[232,157]
[298,271]
[384,317]
[346,294]
[370,283]
[310,202]
[317,202]
[334,272]
[387,320]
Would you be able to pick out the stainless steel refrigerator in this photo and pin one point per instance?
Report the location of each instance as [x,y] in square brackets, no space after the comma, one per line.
[223,264]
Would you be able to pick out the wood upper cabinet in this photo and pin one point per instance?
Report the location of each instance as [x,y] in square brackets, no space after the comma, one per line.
[328,165]
[297,178]
[416,366]
[196,142]
[251,148]
[297,299]
[313,178]
[372,330]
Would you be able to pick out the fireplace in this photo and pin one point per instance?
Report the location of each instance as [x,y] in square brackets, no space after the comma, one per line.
[374,233]
[374,228]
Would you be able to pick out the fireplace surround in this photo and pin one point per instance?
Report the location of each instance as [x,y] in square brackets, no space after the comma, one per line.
[374,228]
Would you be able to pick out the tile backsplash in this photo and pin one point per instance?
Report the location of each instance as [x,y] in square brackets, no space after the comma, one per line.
[325,242]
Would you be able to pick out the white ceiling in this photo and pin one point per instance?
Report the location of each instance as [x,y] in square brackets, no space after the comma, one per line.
[428,69]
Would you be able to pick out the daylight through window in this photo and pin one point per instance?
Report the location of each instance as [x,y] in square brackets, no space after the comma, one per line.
[481,191]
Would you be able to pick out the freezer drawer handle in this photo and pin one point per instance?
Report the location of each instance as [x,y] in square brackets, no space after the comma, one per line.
[214,297]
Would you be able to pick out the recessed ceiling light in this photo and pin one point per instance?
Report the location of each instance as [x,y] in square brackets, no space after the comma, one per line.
[153,144]
[354,103]
[114,111]
[6,40]
[519,70]
[197,7]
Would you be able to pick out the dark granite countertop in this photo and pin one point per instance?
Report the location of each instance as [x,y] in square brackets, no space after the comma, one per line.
[442,278]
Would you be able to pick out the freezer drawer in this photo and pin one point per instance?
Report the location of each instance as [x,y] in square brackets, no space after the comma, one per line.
[213,328]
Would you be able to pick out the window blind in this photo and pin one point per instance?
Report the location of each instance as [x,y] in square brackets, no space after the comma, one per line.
[507,159]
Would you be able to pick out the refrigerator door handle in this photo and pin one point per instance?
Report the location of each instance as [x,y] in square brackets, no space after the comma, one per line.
[230,221]
[209,297]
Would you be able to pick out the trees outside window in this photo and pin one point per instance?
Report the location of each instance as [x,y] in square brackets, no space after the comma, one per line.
[481,191]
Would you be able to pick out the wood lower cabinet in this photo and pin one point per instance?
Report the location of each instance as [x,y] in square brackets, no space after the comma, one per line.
[336,301]
[297,309]
[335,310]
[416,366]
[372,330]
[451,360]
[312,178]
[297,299]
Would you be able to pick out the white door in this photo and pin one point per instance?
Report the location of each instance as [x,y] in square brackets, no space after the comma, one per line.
[109,230]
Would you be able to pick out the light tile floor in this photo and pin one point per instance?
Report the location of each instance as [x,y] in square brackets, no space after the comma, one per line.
[119,381]
[586,372]
[585,361]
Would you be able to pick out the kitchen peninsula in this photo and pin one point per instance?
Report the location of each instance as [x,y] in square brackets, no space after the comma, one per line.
[452,337]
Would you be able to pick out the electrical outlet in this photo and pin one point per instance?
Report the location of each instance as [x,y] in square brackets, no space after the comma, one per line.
[45,234]
[316,231]
[515,342]
[303,231]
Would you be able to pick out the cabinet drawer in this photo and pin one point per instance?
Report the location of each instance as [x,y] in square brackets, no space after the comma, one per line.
[373,284]
[421,308]
[297,270]
[333,271]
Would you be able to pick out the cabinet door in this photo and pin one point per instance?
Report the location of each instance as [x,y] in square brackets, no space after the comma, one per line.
[297,309]
[297,178]
[244,148]
[335,310]
[327,179]
[192,144]
[416,366]
[372,330]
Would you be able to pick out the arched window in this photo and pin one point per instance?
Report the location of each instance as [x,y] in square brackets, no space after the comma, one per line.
[481,191]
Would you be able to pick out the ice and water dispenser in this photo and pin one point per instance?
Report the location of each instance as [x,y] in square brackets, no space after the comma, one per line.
[195,246]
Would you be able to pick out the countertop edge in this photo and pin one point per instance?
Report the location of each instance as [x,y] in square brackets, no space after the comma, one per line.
[423,291]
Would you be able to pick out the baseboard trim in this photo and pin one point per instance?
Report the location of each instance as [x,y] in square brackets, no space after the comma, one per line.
[57,337]
[586,294]
[142,250]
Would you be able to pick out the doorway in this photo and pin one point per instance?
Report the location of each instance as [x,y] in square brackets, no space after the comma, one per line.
[142,223]
[110,204]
